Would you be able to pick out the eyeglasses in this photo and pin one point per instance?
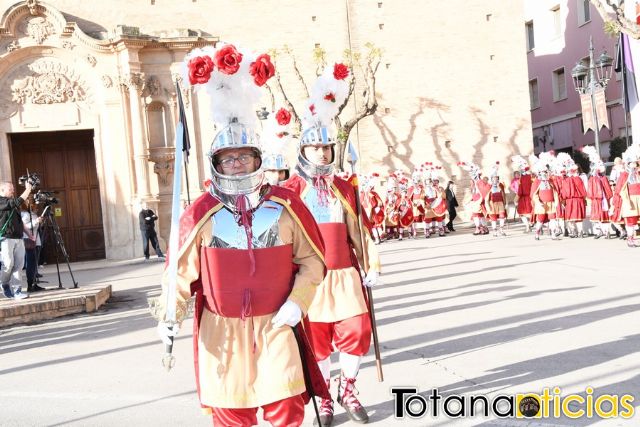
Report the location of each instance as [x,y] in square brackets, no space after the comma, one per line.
[244,159]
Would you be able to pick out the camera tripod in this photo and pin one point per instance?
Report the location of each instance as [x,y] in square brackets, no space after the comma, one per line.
[50,223]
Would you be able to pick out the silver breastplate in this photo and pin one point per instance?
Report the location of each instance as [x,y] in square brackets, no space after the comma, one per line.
[264,226]
[322,213]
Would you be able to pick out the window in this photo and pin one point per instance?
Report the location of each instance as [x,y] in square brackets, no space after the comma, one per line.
[584,11]
[533,94]
[530,38]
[559,85]
[557,21]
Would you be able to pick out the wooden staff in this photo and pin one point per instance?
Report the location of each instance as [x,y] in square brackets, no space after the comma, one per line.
[365,261]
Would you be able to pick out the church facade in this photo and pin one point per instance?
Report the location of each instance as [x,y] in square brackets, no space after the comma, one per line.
[88,94]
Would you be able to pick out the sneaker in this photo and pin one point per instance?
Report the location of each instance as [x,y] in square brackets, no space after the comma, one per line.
[6,290]
[347,398]
[18,295]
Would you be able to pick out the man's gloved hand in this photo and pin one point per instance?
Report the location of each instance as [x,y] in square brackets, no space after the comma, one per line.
[371,279]
[289,314]
[165,333]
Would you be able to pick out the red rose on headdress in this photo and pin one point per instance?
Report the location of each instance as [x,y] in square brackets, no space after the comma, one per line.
[206,183]
[228,59]
[262,69]
[330,97]
[312,108]
[283,117]
[340,71]
[200,69]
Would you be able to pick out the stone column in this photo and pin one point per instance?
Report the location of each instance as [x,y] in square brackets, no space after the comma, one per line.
[135,83]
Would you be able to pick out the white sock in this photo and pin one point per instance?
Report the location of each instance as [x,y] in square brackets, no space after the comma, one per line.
[494,225]
[476,221]
[325,368]
[501,222]
[350,364]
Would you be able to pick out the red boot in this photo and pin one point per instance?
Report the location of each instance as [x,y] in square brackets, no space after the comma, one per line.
[347,398]
[326,411]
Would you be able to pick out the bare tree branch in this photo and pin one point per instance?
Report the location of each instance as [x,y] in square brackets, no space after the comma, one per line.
[297,70]
[613,15]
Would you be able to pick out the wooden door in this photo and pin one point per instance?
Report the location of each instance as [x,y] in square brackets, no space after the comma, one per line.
[66,164]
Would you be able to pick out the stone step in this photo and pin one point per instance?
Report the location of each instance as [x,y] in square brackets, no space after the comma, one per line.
[53,303]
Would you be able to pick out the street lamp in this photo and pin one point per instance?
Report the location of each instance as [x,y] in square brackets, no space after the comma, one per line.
[587,80]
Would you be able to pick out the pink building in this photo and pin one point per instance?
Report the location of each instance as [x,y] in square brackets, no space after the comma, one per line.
[557,35]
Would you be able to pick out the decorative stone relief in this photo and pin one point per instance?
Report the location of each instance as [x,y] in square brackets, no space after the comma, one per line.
[51,82]
[68,45]
[33,7]
[153,86]
[133,81]
[186,92]
[38,28]
[14,45]
[91,60]
[107,81]
[163,159]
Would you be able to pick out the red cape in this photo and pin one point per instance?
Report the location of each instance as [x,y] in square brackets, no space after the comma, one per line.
[201,209]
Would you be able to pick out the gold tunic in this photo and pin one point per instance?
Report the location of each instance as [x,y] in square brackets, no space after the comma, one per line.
[248,363]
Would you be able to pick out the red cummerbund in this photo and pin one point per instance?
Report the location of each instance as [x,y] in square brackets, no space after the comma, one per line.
[634,189]
[231,291]
[546,195]
[496,197]
[337,253]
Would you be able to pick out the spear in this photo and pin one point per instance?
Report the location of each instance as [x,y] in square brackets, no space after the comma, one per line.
[182,147]
[353,158]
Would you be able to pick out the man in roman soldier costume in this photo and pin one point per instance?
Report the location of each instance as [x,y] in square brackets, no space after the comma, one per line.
[405,209]
[251,254]
[544,197]
[523,191]
[416,194]
[599,194]
[439,205]
[373,205]
[338,315]
[496,202]
[391,208]
[275,141]
[479,192]
[628,193]
[558,176]
[575,202]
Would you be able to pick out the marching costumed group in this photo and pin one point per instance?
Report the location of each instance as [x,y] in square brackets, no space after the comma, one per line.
[551,191]
[279,265]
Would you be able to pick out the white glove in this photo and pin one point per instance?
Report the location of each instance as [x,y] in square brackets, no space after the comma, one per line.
[289,314]
[371,279]
[165,333]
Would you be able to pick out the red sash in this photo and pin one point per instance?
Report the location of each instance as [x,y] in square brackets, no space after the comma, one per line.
[496,197]
[230,291]
[634,189]
[546,195]
[336,242]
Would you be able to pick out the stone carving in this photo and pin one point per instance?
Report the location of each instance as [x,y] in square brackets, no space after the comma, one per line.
[186,92]
[38,28]
[153,86]
[91,60]
[133,81]
[33,7]
[14,45]
[162,158]
[50,83]
[68,45]
[107,81]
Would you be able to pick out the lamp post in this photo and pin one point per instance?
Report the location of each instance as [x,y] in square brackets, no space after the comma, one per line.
[588,80]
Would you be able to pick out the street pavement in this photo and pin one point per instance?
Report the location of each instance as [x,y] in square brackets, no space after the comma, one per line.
[463,314]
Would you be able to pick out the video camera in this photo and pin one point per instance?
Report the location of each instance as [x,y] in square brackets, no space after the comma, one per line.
[45,198]
[32,178]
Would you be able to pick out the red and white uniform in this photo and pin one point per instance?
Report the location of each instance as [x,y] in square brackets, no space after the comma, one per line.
[260,365]
[599,194]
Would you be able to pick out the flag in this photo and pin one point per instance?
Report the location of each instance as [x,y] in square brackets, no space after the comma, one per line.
[182,118]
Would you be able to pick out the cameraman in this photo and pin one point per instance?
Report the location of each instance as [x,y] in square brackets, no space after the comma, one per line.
[11,244]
